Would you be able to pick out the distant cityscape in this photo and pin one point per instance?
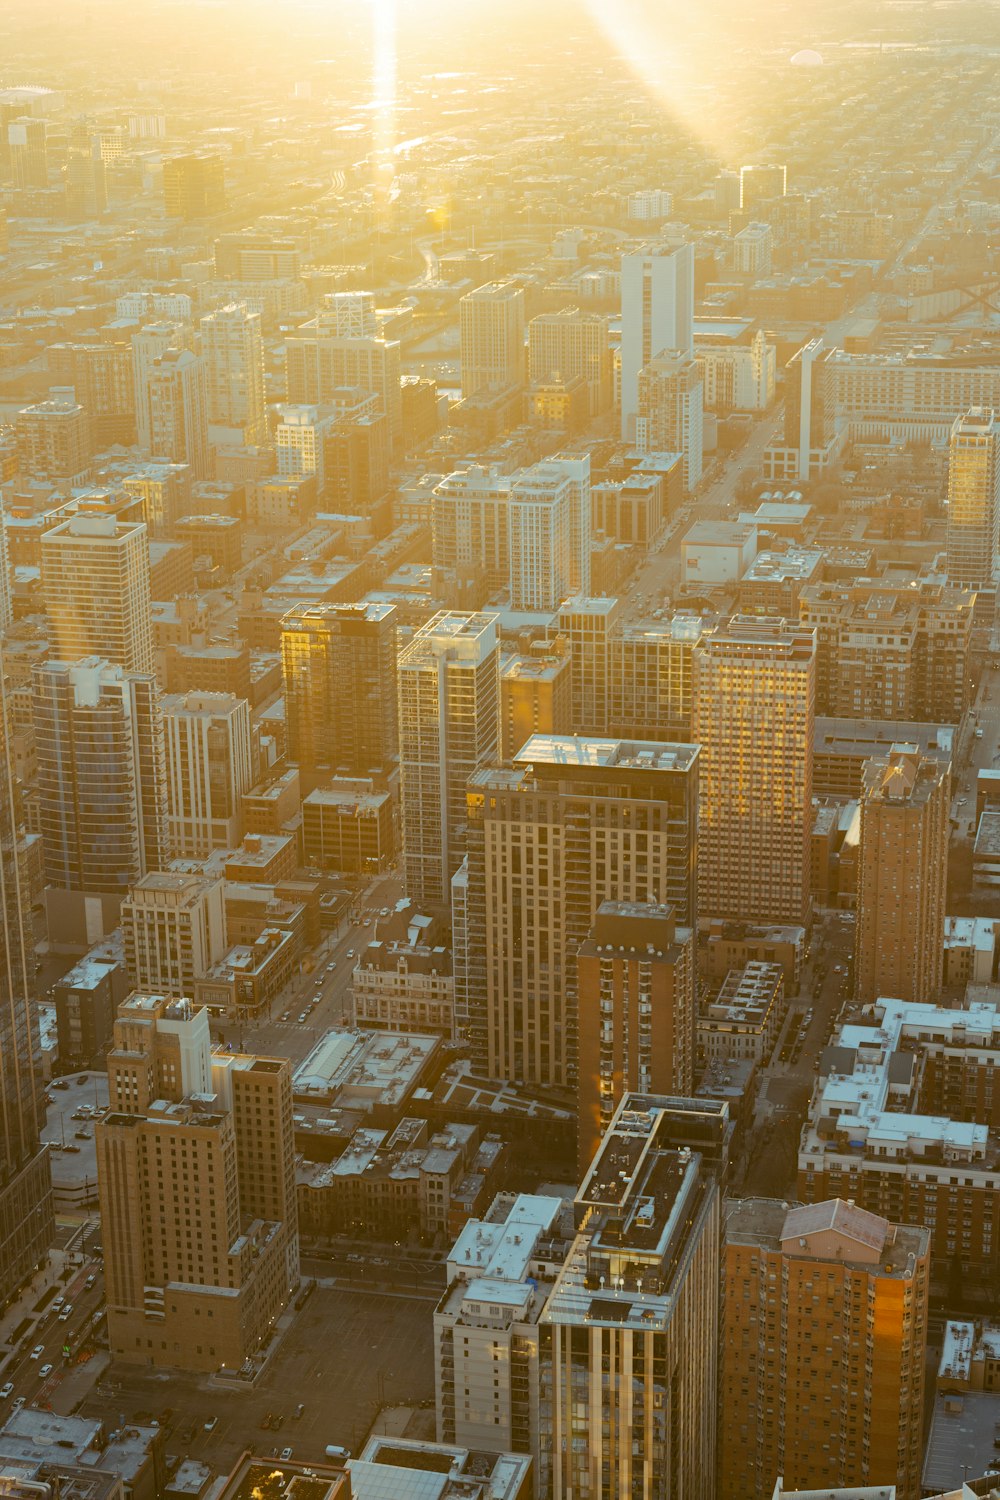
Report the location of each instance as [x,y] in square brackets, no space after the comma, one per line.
[500,754]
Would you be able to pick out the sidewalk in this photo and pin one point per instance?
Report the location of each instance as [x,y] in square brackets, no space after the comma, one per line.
[54,1273]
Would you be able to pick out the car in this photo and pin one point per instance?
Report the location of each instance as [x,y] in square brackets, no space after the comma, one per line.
[287,1016]
[58,1302]
[979,734]
[82,1078]
[18,1403]
[278,1422]
[45,1372]
[265,1421]
[37,1352]
[285,1455]
[350,953]
[211,1424]
[356,1260]
[90,1281]
[6,1390]
[333,965]
[82,1135]
[303,1016]
[300,1409]
[66,1312]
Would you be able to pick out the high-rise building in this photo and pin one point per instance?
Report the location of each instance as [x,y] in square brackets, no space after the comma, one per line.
[487,1338]
[95,586]
[54,441]
[737,377]
[27,153]
[753,715]
[174,928]
[320,360]
[148,344]
[574,823]
[165,491]
[339,664]
[210,765]
[569,343]
[630,1331]
[636,983]
[540,514]
[470,532]
[449,726]
[353,314]
[103,380]
[27,1226]
[669,416]
[178,428]
[759,184]
[591,627]
[902,876]
[657,317]
[823,1348]
[194,186]
[299,442]
[233,353]
[101,777]
[752,250]
[6,602]
[196,1177]
[492,333]
[974,499]
[536,697]
[575,468]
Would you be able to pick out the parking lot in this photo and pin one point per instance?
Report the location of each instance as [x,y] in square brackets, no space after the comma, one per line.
[347,1354]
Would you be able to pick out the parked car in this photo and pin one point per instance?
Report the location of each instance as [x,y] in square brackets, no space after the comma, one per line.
[6,1390]
[286,1454]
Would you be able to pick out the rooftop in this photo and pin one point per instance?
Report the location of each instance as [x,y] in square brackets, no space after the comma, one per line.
[576,750]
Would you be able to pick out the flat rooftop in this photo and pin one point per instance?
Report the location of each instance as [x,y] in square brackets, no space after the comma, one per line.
[576,750]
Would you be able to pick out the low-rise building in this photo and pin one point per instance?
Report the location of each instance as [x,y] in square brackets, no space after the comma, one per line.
[743,1020]
[349,826]
[241,985]
[405,987]
[375,1072]
[403,1184]
[79,1458]
[86,1001]
[717,552]
[399,1467]
[970,950]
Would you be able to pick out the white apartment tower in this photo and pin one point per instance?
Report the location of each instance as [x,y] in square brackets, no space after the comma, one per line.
[178,427]
[657,315]
[449,725]
[95,586]
[210,764]
[540,512]
[492,333]
[233,351]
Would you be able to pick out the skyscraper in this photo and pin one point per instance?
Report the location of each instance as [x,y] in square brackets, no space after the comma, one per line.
[27,1226]
[492,333]
[574,823]
[339,664]
[974,499]
[209,766]
[449,725]
[570,343]
[669,418]
[320,360]
[173,930]
[902,876]
[630,1330]
[233,353]
[540,516]
[753,715]
[591,627]
[196,1179]
[147,346]
[636,984]
[657,316]
[178,427]
[823,1347]
[101,775]
[95,585]
[759,184]
[54,440]
[194,186]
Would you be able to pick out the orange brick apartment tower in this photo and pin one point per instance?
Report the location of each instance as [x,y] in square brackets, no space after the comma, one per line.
[823,1338]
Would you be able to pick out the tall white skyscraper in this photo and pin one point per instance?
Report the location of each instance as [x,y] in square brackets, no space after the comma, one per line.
[449,725]
[233,351]
[657,315]
[974,499]
[540,516]
[147,345]
[178,429]
[210,764]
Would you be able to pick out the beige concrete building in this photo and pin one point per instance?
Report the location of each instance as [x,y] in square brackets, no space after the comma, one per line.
[571,343]
[753,715]
[743,1019]
[95,587]
[492,334]
[197,1192]
[636,980]
[974,499]
[536,697]
[174,929]
[902,877]
[823,1347]
[210,765]
[233,352]
[574,823]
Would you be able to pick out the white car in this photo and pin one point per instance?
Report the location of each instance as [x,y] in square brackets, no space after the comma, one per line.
[45,1372]
[37,1352]
[6,1390]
